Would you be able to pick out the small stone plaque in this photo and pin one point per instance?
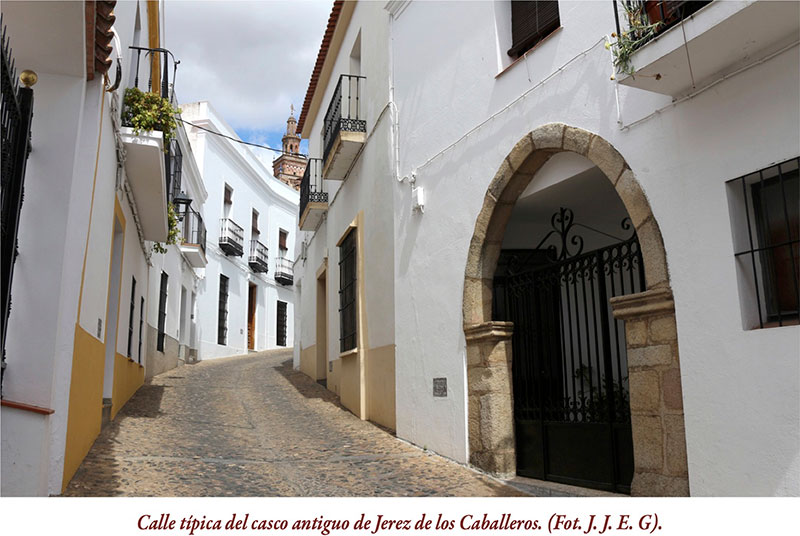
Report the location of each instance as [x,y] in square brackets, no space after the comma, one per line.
[440,387]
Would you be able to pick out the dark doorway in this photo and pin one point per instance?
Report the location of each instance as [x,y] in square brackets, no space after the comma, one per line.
[252,293]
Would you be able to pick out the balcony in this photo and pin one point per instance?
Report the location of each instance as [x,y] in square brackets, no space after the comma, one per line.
[344,129]
[174,163]
[231,238]
[720,38]
[193,238]
[147,162]
[284,271]
[258,257]
[313,201]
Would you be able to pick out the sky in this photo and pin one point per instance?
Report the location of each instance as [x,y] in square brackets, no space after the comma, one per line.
[250,59]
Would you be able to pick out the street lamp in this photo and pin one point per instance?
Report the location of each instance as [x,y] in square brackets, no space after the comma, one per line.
[182,199]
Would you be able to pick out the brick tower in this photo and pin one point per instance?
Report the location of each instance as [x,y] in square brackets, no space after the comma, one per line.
[290,165]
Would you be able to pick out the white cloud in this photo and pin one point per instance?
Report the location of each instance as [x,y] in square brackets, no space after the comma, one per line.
[250,59]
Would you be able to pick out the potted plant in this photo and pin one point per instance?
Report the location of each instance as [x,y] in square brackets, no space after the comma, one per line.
[146,111]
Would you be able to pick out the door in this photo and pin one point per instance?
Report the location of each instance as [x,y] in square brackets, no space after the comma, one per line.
[569,365]
[251,316]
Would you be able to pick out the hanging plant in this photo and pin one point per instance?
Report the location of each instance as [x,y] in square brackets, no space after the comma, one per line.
[640,30]
[172,234]
[149,111]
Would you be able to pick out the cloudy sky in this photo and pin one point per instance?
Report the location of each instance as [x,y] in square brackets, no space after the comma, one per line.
[250,59]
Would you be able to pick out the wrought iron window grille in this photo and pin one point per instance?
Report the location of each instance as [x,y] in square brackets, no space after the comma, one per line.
[348,327]
[765,219]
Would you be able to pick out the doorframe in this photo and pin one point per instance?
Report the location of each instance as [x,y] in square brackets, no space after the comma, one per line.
[660,463]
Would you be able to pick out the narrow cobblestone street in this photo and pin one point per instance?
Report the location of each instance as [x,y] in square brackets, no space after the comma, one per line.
[252,426]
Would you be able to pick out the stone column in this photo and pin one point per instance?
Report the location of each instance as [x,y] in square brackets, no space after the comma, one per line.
[491,402]
[659,442]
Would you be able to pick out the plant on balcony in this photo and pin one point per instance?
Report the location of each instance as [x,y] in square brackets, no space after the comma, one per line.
[640,30]
[149,111]
[174,231]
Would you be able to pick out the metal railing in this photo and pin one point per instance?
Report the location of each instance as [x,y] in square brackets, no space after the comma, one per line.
[259,256]
[284,271]
[17,112]
[193,229]
[174,167]
[344,111]
[231,237]
[632,14]
[311,185]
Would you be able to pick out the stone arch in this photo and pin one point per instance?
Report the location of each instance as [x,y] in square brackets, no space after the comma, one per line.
[660,466]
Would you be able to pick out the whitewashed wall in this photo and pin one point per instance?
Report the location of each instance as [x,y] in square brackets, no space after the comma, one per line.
[224,162]
[368,188]
[741,388]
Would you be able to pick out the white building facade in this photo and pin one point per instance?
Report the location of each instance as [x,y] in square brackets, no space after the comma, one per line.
[245,300]
[96,200]
[457,283]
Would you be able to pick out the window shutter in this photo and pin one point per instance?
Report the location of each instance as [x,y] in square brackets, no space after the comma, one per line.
[530,22]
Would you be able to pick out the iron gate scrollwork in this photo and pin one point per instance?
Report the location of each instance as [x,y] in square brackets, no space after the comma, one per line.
[570,379]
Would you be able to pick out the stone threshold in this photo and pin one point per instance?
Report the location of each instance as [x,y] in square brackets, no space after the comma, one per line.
[544,488]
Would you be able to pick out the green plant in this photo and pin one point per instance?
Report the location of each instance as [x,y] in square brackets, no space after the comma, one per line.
[640,30]
[174,231]
[149,111]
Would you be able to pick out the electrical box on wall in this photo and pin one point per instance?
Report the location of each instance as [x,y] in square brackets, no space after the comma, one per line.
[418,198]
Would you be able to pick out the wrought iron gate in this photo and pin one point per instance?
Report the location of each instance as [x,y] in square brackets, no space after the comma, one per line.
[570,379]
[17,111]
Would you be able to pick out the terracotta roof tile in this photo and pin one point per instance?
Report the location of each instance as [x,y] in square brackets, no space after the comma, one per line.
[323,52]
[99,20]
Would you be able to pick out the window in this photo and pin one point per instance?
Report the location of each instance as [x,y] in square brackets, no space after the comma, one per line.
[162,312]
[130,315]
[222,312]
[530,23]
[254,225]
[766,234]
[281,327]
[348,329]
[228,202]
[283,237]
[141,325]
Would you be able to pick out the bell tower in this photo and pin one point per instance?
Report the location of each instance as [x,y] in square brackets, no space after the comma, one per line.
[290,165]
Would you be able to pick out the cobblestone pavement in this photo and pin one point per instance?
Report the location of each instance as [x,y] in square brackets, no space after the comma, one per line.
[252,426]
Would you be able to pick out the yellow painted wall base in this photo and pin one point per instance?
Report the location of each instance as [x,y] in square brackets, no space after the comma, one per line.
[380,386]
[350,384]
[308,363]
[85,400]
[128,377]
[334,376]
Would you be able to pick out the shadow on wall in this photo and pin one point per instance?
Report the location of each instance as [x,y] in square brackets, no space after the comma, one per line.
[100,474]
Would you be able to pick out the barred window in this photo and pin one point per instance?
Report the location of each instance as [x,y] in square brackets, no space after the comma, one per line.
[530,23]
[141,325]
[281,324]
[766,235]
[222,312]
[162,312]
[348,328]
[130,315]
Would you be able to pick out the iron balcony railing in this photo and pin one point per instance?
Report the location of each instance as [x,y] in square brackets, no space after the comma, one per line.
[174,167]
[311,185]
[193,230]
[231,237]
[634,14]
[284,272]
[155,60]
[344,111]
[259,257]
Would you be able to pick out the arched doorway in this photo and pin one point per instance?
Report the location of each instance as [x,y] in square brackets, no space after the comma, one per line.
[645,312]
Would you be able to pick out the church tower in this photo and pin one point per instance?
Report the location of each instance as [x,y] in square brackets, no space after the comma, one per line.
[290,165]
